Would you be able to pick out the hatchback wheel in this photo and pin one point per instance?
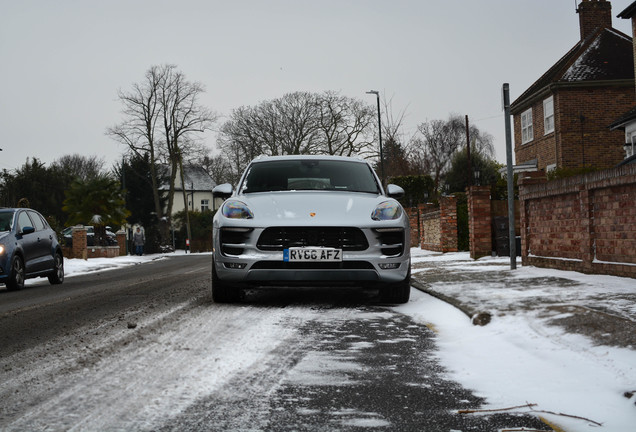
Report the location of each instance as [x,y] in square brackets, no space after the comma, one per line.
[16,276]
[57,275]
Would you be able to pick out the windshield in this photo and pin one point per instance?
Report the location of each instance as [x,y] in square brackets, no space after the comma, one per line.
[6,219]
[309,174]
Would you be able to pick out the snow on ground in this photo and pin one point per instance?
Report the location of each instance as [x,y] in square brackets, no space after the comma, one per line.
[517,359]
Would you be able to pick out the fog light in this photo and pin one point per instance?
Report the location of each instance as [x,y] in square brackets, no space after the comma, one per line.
[389,266]
[235,266]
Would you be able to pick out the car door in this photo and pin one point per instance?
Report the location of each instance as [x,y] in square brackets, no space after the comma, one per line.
[44,238]
[27,240]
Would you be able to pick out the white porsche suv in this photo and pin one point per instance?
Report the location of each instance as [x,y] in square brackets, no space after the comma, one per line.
[310,220]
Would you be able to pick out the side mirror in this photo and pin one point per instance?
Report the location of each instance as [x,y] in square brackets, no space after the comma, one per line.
[222,191]
[28,230]
[394,191]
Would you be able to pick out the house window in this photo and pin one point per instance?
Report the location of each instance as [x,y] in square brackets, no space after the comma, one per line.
[205,205]
[630,150]
[548,115]
[527,133]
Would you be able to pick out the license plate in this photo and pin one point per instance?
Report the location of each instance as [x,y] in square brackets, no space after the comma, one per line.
[312,254]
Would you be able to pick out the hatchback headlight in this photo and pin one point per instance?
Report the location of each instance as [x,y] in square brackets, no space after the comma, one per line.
[1,249]
[388,210]
[237,210]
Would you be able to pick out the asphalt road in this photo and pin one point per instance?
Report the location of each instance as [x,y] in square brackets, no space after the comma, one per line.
[145,348]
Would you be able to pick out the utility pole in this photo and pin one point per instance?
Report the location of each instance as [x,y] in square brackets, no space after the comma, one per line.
[470,170]
[377,95]
[511,179]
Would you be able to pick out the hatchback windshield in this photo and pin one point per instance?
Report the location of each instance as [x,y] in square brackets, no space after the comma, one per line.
[309,174]
[5,221]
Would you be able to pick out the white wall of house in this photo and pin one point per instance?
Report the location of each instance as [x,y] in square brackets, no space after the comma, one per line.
[202,201]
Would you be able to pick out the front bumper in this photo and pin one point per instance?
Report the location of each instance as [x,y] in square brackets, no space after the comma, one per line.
[239,257]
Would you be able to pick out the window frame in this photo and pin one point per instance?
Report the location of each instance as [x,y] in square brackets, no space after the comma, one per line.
[205,204]
[548,120]
[527,128]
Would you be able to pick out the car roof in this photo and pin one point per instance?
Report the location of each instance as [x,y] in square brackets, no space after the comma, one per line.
[265,158]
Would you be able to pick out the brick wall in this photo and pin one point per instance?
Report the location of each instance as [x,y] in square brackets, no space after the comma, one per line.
[585,223]
[591,142]
[431,231]
[438,228]
[82,251]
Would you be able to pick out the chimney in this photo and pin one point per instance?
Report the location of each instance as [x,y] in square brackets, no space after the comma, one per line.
[594,14]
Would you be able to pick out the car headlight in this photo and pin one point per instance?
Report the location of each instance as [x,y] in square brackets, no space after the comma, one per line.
[1,249]
[388,210]
[237,210]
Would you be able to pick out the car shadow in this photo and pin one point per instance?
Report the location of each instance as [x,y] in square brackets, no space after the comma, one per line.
[313,297]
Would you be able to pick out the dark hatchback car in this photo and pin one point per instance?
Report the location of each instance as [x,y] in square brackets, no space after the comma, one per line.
[28,248]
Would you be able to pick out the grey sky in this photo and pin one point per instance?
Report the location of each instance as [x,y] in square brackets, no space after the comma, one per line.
[63,61]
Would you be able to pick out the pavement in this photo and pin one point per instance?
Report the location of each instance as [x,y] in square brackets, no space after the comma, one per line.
[600,307]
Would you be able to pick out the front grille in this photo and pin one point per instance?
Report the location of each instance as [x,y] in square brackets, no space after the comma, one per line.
[279,238]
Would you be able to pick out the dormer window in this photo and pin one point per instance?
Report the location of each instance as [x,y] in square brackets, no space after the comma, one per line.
[548,115]
[527,132]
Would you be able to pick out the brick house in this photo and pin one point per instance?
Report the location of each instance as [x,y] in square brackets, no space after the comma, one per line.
[627,122]
[563,119]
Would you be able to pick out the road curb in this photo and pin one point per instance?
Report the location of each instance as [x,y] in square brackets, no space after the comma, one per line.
[477,318]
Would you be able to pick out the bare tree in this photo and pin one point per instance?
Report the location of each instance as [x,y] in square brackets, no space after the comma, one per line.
[436,143]
[298,112]
[245,135]
[219,169]
[345,125]
[297,123]
[182,120]
[138,131]
[392,126]
[162,119]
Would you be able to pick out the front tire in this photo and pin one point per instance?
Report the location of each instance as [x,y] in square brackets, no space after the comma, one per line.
[222,292]
[16,275]
[57,275]
[397,293]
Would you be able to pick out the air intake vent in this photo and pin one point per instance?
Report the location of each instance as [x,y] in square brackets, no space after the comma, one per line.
[233,240]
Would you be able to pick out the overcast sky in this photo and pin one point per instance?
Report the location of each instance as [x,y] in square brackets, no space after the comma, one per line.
[63,61]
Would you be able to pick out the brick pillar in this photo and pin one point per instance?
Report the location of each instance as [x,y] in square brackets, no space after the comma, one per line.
[414,222]
[121,242]
[587,222]
[479,221]
[524,231]
[448,209]
[79,242]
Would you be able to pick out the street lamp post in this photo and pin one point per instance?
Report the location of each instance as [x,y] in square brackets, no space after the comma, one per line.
[377,95]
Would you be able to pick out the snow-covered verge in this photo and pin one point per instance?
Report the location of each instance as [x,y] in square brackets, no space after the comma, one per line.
[520,358]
